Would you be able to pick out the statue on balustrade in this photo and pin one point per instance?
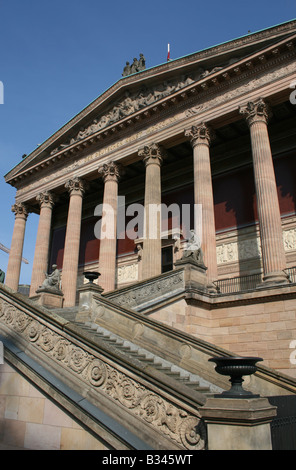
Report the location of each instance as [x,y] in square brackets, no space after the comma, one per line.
[52,281]
[193,250]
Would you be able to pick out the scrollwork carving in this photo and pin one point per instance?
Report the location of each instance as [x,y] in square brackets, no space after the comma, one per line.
[110,171]
[256,111]
[97,373]
[201,134]
[193,434]
[153,153]
[20,210]
[167,417]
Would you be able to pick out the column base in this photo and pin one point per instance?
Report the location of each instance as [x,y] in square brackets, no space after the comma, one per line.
[274,278]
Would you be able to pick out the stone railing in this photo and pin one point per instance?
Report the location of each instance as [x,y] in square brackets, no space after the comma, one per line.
[64,348]
[145,293]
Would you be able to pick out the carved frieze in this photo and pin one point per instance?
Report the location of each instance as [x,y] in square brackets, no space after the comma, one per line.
[165,416]
[138,295]
[127,273]
[134,102]
[250,248]
[267,77]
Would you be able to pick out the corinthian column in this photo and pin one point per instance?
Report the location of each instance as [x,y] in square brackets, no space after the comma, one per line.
[151,262]
[40,264]
[200,137]
[108,239]
[16,249]
[273,253]
[76,188]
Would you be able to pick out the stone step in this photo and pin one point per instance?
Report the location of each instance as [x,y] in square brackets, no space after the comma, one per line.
[146,357]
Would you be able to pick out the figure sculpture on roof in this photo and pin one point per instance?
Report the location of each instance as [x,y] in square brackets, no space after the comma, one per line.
[136,66]
[127,69]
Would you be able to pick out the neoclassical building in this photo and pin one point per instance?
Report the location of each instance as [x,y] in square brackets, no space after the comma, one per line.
[210,140]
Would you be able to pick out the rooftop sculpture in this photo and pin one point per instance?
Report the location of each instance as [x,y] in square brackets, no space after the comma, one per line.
[136,66]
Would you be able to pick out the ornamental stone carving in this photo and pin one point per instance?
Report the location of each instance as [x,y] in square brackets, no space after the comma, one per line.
[46,199]
[127,273]
[290,239]
[20,210]
[152,154]
[177,423]
[110,171]
[257,111]
[136,66]
[138,295]
[76,186]
[251,248]
[201,134]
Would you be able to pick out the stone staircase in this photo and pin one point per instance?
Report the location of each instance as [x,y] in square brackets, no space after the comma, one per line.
[182,376]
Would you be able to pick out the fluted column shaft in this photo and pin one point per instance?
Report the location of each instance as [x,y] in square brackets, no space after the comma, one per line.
[40,263]
[200,137]
[151,262]
[76,189]
[16,249]
[108,241]
[271,234]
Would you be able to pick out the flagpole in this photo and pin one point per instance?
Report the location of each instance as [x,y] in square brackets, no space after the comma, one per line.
[169,56]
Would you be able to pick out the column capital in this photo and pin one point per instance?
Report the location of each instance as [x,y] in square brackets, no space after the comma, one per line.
[256,111]
[200,134]
[76,186]
[110,172]
[20,210]
[46,199]
[152,154]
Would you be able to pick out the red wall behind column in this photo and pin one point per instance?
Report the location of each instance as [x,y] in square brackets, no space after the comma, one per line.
[234,201]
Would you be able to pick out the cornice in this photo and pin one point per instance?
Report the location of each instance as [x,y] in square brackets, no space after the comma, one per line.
[258,61]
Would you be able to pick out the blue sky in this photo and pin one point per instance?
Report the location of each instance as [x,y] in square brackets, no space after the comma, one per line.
[58,56]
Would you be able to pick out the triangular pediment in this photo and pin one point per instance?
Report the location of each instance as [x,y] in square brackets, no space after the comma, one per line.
[134,96]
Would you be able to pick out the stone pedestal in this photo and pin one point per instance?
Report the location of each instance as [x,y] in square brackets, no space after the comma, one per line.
[86,301]
[49,298]
[195,274]
[238,424]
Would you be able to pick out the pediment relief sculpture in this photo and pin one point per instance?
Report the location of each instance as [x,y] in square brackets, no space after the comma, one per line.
[135,102]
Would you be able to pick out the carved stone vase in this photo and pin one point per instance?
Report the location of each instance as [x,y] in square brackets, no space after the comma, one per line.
[236,367]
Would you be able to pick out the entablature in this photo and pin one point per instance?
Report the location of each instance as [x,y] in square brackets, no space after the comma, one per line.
[214,97]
